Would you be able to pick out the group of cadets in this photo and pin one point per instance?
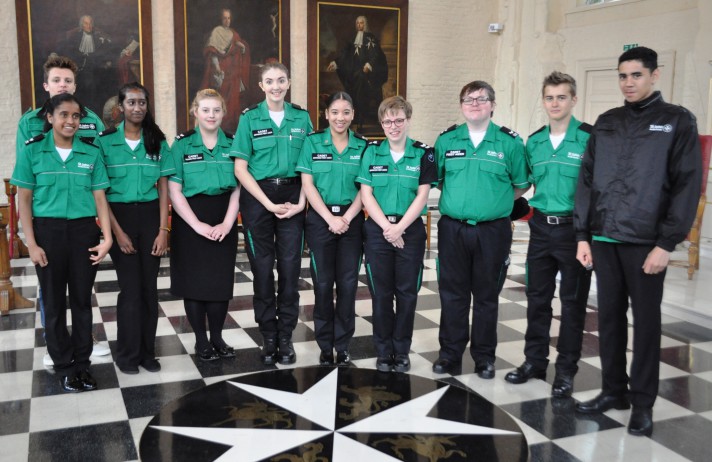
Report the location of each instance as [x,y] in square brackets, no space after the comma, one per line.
[364,198]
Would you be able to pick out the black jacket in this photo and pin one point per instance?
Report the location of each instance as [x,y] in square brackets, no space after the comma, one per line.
[641,175]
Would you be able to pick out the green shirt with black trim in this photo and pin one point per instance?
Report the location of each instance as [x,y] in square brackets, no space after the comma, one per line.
[271,151]
[395,184]
[333,173]
[61,189]
[31,125]
[478,183]
[201,170]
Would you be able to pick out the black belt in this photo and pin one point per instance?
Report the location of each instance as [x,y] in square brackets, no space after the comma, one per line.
[554,220]
[338,210]
[394,218]
[282,181]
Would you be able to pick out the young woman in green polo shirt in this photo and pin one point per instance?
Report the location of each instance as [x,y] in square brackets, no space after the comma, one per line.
[61,180]
[205,197]
[138,162]
[396,175]
[329,164]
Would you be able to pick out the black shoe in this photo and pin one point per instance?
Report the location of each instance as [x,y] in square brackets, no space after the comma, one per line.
[446,366]
[401,363]
[71,384]
[641,421]
[326,358]
[384,364]
[484,369]
[285,353]
[603,403]
[525,372]
[343,358]
[88,381]
[130,370]
[563,386]
[269,351]
[225,351]
[207,354]
[151,365]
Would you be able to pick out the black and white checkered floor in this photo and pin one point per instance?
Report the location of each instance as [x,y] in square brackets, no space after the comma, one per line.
[40,422]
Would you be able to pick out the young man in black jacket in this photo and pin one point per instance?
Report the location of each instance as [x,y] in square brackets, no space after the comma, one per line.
[638,189]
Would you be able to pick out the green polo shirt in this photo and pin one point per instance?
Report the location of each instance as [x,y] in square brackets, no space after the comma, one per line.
[334,174]
[271,151]
[133,173]
[201,171]
[554,172]
[395,184]
[32,125]
[478,183]
[61,189]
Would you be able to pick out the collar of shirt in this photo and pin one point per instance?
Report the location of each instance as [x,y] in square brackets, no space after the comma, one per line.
[289,111]
[385,148]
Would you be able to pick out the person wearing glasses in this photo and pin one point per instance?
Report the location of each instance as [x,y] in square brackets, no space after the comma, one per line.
[554,154]
[396,176]
[482,170]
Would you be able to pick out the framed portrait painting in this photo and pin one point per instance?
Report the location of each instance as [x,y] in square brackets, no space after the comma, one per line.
[223,45]
[357,46]
[110,42]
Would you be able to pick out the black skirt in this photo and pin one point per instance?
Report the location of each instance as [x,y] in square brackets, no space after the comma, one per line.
[202,269]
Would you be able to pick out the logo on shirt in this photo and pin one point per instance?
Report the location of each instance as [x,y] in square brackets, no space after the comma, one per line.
[455,153]
[86,126]
[667,128]
[574,155]
[322,156]
[355,157]
[378,169]
[412,168]
[262,132]
[153,156]
[499,155]
[188,158]
[86,166]
[298,130]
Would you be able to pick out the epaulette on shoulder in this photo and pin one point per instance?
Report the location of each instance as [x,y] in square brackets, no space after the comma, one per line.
[296,106]
[420,144]
[230,136]
[509,131]
[316,132]
[108,131]
[449,129]
[540,129]
[88,140]
[35,139]
[375,142]
[247,109]
[360,136]
[584,127]
[185,134]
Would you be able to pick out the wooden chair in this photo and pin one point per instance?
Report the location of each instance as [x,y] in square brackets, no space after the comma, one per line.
[693,251]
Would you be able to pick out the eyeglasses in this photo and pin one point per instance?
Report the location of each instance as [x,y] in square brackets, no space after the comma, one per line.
[397,122]
[471,101]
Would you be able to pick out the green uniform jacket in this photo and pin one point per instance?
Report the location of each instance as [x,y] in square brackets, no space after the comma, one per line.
[61,189]
[271,151]
[201,171]
[133,173]
[478,183]
[554,172]
[32,125]
[395,184]
[334,174]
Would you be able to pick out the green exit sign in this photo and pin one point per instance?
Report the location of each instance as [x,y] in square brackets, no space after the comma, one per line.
[629,46]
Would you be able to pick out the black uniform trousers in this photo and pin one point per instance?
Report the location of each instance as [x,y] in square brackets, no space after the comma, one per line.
[335,259]
[266,238]
[394,272]
[552,249]
[472,262]
[137,303]
[619,275]
[66,244]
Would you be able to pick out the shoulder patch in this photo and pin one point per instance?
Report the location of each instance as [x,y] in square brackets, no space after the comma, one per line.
[316,132]
[108,131]
[88,140]
[35,139]
[541,129]
[584,127]
[420,144]
[509,131]
[449,129]
[375,142]
[296,106]
[185,134]
[247,109]
[360,136]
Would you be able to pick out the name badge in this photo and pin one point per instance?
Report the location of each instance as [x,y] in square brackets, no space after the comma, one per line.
[455,153]
[188,158]
[262,132]
[322,156]
[378,169]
